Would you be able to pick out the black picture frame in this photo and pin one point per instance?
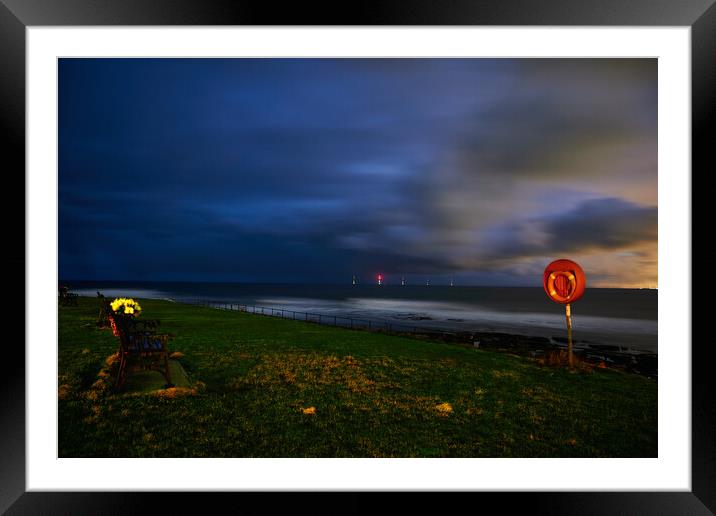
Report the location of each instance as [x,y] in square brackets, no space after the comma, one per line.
[16,15]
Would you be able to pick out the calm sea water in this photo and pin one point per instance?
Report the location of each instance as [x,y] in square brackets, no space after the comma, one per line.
[620,317]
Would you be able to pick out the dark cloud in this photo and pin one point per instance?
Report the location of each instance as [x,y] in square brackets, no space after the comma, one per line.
[598,224]
[603,224]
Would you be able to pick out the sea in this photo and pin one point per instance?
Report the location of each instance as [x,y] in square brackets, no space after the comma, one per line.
[625,319]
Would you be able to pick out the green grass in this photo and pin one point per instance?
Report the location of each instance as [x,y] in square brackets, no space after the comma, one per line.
[375,395]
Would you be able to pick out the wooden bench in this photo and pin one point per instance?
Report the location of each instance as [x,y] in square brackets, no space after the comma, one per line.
[140,346]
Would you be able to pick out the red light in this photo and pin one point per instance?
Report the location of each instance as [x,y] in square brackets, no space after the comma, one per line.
[380,276]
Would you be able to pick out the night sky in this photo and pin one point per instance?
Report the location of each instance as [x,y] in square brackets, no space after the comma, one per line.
[312,170]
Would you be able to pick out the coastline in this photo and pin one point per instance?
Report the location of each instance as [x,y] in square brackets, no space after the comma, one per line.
[524,340]
[621,319]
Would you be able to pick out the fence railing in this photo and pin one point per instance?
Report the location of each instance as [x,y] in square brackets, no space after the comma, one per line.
[342,321]
[641,364]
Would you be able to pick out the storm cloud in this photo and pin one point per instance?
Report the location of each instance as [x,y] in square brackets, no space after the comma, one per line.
[309,170]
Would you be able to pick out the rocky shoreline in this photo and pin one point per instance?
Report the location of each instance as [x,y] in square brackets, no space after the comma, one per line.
[600,355]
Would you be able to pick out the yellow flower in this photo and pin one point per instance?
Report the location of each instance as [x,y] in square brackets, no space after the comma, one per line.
[309,410]
[125,305]
[444,408]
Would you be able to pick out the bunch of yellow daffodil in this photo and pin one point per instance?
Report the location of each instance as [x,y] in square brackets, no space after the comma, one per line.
[127,306]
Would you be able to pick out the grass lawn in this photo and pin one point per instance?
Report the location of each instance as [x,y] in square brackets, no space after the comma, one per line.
[254,381]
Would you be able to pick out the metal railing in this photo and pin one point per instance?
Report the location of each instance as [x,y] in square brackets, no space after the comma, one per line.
[377,325]
[352,323]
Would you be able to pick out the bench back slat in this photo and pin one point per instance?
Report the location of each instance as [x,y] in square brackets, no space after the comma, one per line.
[139,336]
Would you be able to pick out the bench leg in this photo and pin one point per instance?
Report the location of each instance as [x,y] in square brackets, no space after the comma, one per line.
[167,375]
[122,373]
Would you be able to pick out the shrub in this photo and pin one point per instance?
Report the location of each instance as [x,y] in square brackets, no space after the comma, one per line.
[560,358]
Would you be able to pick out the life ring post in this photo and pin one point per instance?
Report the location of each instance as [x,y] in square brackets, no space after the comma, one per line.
[568,311]
[564,282]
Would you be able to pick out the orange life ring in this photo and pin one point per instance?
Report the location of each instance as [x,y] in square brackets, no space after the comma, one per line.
[561,292]
[564,281]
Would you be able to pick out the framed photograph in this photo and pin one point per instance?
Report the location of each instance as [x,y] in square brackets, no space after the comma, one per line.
[385,181]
